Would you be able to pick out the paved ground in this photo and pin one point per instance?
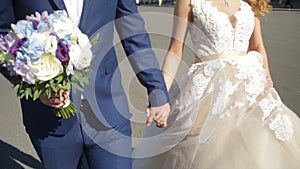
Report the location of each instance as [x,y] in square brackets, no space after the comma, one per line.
[281,33]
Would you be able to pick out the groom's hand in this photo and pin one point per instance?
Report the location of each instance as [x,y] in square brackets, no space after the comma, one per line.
[158,114]
[56,100]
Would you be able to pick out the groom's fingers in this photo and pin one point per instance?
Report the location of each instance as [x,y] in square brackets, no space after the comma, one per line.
[57,99]
[66,96]
[55,102]
[147,112]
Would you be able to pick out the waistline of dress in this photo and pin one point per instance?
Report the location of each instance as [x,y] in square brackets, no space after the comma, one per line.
[220,56]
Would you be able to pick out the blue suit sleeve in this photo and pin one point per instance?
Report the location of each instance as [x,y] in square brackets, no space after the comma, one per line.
[6,16]
[6,19]
[136,43]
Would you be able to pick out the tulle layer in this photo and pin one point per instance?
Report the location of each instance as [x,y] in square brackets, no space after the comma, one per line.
[223,118]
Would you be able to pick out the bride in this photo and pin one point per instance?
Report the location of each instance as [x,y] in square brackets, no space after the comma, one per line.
[225,113]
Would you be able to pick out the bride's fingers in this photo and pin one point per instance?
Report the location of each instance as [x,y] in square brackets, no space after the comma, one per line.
[160,114]
[161,125]
[161,122]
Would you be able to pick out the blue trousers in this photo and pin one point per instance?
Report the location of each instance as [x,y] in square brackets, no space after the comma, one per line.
[104,148]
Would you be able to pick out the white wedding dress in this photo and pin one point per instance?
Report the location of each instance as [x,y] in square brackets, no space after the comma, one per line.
[222,118]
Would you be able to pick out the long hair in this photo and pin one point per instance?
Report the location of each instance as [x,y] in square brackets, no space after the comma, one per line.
[260,7]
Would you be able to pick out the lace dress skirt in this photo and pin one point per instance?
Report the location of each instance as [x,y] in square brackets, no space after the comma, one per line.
[222,118]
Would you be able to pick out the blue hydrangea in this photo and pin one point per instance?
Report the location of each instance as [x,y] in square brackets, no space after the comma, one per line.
[24,28]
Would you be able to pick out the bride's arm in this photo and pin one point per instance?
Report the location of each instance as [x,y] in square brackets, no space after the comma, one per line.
[182,15]
[257,44]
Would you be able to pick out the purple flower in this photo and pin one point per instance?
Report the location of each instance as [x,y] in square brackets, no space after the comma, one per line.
[25,71]
[62,52]
[37,19]
[8,37]
[3,44]
[35,24]
[16,46]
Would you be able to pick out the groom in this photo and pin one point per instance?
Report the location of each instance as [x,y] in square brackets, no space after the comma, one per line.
[105,136]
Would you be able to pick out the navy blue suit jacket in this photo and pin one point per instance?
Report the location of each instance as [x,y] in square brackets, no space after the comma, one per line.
[105,92]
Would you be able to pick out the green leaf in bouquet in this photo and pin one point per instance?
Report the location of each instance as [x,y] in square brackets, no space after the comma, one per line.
[53,85]
[9,57]
[2,57]
[6,58]
[22,95]
[36,94]
[66,112]
[40,82]
[95,39]
[17,88]
[60,92]
[86,80]
[76,87]
[28,93]
[48,92]
[59,79]
[66,87]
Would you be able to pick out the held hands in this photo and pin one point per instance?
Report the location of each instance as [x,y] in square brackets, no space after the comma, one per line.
[158,114]
[55,100]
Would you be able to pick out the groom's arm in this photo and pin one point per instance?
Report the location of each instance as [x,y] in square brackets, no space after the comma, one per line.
[6,18]
[137,46]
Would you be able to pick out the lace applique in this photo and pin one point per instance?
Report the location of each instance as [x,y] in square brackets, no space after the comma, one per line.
[200,83]
[282,127]
[226,89]
[192,69]
[215,64]
[230,88]
[268,105]
[237,105]
[252,72]
[218,106]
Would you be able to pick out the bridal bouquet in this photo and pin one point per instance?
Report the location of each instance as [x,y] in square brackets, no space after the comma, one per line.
[44,54]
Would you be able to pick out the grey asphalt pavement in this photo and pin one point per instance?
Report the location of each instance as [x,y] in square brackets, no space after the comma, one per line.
[281,34]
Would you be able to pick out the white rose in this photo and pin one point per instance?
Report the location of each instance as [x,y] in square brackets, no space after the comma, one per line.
[48,67]
[80,52]
[51,45]
[85,58]
[80,57]
[84,41]
[63,27]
